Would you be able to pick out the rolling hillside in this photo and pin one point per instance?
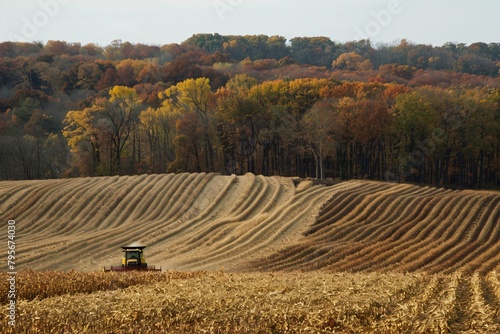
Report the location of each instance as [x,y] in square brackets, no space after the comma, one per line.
[245,223]
[399,228]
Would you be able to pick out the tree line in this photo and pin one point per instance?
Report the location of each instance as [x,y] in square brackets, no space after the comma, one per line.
[477,58]
[237,104]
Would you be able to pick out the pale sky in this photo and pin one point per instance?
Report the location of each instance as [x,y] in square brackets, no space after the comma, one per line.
[173,21]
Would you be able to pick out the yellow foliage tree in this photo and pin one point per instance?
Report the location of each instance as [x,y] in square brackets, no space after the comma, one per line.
[351,61]
[194,97]
[82,137]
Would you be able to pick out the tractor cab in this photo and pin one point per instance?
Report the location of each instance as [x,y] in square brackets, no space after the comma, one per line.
[133,256]
[133,259]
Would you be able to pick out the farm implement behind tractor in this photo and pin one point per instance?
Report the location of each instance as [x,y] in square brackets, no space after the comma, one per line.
[133,260]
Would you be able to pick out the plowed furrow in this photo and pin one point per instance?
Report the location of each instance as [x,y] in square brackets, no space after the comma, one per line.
[208,217]
[412,248]
[210,233]
[484,238]
[273,230]
[347,208]
[389,216]
[203,221]
[117,236]
[35,199]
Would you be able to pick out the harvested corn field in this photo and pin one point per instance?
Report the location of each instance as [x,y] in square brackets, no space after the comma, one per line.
[372,226]
[313,302]
[247,223]
[253,254]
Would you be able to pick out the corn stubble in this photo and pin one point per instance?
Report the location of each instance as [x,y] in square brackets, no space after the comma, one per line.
[218,302]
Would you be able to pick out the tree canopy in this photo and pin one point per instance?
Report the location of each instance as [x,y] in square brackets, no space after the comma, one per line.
[307,107]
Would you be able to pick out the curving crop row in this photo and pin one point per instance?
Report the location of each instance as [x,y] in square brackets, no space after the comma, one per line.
[249,222]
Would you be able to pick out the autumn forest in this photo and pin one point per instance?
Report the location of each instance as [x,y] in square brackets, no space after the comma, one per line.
[306,107]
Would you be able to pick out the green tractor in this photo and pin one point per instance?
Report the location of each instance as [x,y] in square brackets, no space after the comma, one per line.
[133,259]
